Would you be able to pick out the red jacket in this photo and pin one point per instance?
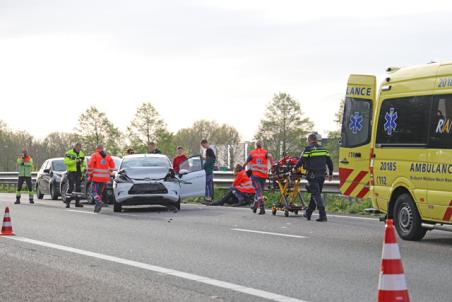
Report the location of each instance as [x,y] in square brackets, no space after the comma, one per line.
[243,183]
[177,161]
[100,167]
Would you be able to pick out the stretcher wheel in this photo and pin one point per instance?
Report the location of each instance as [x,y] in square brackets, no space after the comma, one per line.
[286,213]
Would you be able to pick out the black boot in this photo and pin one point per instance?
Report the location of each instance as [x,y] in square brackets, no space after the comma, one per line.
[254,207]
[78,204]
[307,215]
[68,204]
[262,211]
[31,201]
[17,200]
[322,215]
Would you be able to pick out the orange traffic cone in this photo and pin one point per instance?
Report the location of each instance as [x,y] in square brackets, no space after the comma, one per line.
[7,227]
[391,285]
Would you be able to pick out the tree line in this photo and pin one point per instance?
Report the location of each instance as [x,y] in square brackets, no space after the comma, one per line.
[283,129]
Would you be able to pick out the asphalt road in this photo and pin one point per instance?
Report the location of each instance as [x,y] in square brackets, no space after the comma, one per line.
[205,254]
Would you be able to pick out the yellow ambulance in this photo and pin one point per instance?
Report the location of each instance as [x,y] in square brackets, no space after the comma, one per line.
[396,146]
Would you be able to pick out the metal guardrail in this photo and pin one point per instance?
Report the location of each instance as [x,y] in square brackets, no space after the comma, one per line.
[222,179]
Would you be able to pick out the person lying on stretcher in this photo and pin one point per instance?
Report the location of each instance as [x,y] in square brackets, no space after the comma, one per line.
[241,192]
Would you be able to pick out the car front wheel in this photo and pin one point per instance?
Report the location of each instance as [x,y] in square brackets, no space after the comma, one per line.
[407,219]
[38,193]
[53,193]
[64,189]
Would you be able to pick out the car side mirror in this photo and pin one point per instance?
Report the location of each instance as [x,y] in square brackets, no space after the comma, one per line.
[121,172]
[183,172]
[46,171]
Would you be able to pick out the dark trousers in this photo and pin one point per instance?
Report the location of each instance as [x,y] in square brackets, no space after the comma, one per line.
[97,191]
[233,197]
[74,179]
[209,186]
[315,188]
[20,183]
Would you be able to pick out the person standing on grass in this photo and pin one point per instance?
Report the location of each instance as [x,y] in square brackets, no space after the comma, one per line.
[208,167]
[25,165]
[179,158]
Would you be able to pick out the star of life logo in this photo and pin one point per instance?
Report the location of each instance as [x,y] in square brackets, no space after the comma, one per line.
[391,121]
[356,123]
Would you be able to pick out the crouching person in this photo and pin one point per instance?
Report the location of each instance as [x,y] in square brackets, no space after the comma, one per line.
[241,192]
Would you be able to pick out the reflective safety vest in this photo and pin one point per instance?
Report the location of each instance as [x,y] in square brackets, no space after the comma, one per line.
[259,162]
[100,168]
[70,160]
[243,183]
[25,166]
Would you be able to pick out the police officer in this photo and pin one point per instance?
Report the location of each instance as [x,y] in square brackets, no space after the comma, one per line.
[258,161]
[314,160]
[74,160]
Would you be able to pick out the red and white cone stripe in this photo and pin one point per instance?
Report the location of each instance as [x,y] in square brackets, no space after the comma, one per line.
[392,284]
[7,227]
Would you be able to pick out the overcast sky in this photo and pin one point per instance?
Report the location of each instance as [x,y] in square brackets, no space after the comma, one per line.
[202,59]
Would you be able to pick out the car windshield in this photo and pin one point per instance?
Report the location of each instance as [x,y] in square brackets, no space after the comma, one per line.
[143,162]
[58,165]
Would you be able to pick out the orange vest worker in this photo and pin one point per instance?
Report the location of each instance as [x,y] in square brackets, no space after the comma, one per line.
[100,167]
[243,183]
[259,162]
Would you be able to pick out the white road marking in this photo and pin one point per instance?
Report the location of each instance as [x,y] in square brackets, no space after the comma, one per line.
[353,217]
[166,271]
[247,209]
[84,212]
[269,233]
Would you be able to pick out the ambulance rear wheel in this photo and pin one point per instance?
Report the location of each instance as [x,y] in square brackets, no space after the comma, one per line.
[407,219]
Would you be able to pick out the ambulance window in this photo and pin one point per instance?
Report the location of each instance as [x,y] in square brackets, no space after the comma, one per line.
[356,122]
[441,122]
[404,122]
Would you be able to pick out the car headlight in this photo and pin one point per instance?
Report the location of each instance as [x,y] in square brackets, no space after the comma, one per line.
[122,178]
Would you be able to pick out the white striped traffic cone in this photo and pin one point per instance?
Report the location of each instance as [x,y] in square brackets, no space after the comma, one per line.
[7,227]
[391,285]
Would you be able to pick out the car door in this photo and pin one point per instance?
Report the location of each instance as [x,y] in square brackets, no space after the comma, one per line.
[439,197]
[354,152]
[193,177]
[39,181]
[45,178]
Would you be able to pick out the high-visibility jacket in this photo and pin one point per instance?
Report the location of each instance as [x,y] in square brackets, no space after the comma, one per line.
[243,183]
[100,167]
[259,162]
[70,160]
[25,166]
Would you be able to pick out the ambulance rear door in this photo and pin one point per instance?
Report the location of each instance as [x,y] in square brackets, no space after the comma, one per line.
[355,147]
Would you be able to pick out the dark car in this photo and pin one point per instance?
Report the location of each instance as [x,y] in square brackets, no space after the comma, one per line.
[86,187]
[49,178]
